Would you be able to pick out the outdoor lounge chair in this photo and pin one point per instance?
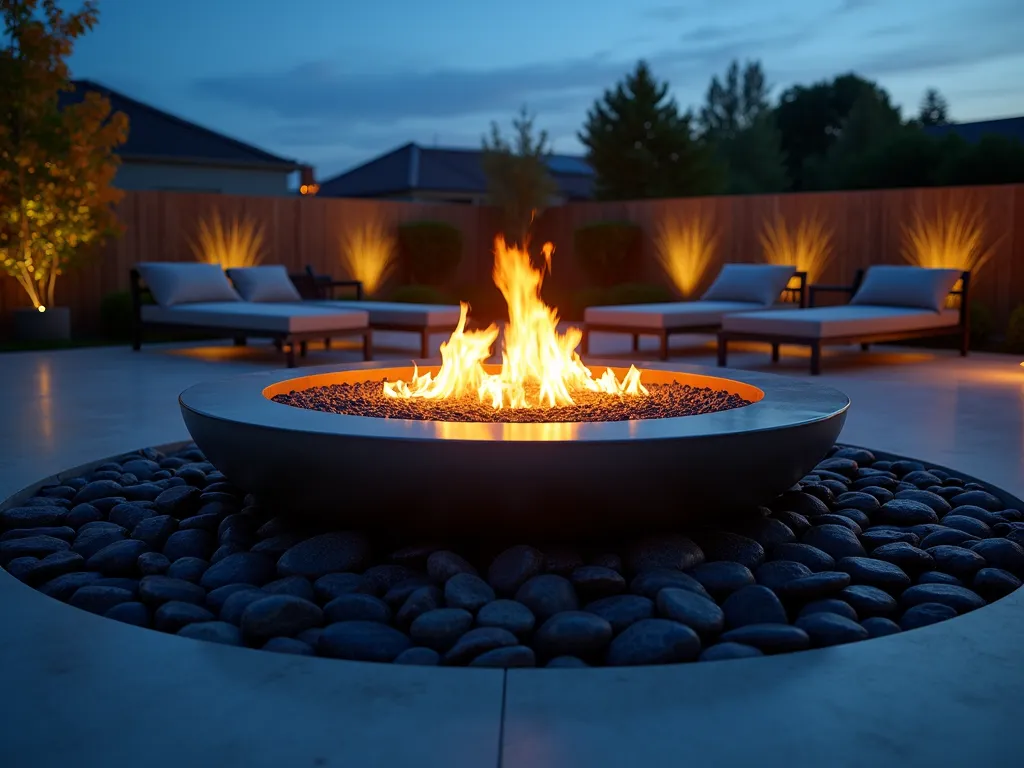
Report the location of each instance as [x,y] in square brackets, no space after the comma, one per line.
[738,288]
[199,297]
[422,319]
[889,303]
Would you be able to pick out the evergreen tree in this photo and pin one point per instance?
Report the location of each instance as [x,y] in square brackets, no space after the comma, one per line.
[934,108]
[732,106]
[517,174]
[640,146]
[737,123]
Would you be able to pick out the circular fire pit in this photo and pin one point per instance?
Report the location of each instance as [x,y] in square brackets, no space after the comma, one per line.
[554,478]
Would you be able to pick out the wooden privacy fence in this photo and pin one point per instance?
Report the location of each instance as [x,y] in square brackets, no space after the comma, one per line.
[299,231]
[862,228]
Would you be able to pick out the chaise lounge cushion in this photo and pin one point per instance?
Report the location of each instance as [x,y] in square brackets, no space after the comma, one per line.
[846,320]
[254,317]
[175,283]
[400,313]
[906,286]
[753,283]
[678,314]
[264,284]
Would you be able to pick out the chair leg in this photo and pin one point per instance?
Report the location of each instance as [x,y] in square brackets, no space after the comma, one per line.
[815,358]
[586,342]
[137,336]
[723,351]
[636,342]
[289,353]
[424,344]
[965,343]
[303,348]
[663,346]
[775,351]
[368,345]
[327,343]
[865,347]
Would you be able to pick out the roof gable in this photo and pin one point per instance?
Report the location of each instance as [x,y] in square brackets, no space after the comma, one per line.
[412,167]
[387,174]
[158,135]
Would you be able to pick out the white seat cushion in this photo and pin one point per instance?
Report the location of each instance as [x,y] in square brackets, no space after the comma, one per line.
[756,283]
[264,283]
[270,318]
[905,286]
[846,320]
[677,314]
[185,282]
[400,313]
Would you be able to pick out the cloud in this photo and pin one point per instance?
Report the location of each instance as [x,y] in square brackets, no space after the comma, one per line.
[666,13]
[322,108]
[711,33]
[892,30]
[325,91]
[320,89]
[928,56]
[850,6]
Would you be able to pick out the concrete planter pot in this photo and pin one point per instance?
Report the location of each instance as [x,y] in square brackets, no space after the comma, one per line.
[52,325]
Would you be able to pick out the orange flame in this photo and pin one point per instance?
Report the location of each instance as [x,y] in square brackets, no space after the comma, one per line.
[539,365]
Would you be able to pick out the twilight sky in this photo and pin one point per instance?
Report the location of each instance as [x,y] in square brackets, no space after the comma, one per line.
[334,83]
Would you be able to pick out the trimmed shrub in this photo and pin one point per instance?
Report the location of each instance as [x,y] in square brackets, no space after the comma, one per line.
[583,298]
[608,251]
[982,324]
[429,251]
[638,293]
[420,294]
[1015,331]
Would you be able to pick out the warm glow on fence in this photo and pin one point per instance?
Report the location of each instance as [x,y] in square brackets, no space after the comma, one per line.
[685,249]
[238,245]
[808,246]
[368,253]
[953,239]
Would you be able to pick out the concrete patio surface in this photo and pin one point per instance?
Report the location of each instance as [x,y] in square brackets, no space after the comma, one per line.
[80,690]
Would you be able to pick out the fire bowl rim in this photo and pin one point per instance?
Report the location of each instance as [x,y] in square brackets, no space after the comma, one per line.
[787,402]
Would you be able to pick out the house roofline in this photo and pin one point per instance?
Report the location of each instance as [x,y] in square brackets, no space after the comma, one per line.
[417,148]
[1003,119]
[271,159]
[371,161]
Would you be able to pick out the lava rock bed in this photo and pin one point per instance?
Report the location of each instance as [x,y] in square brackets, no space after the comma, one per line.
[367,398]
[861,548]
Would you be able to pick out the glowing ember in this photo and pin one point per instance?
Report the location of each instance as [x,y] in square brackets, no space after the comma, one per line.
[539,365]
